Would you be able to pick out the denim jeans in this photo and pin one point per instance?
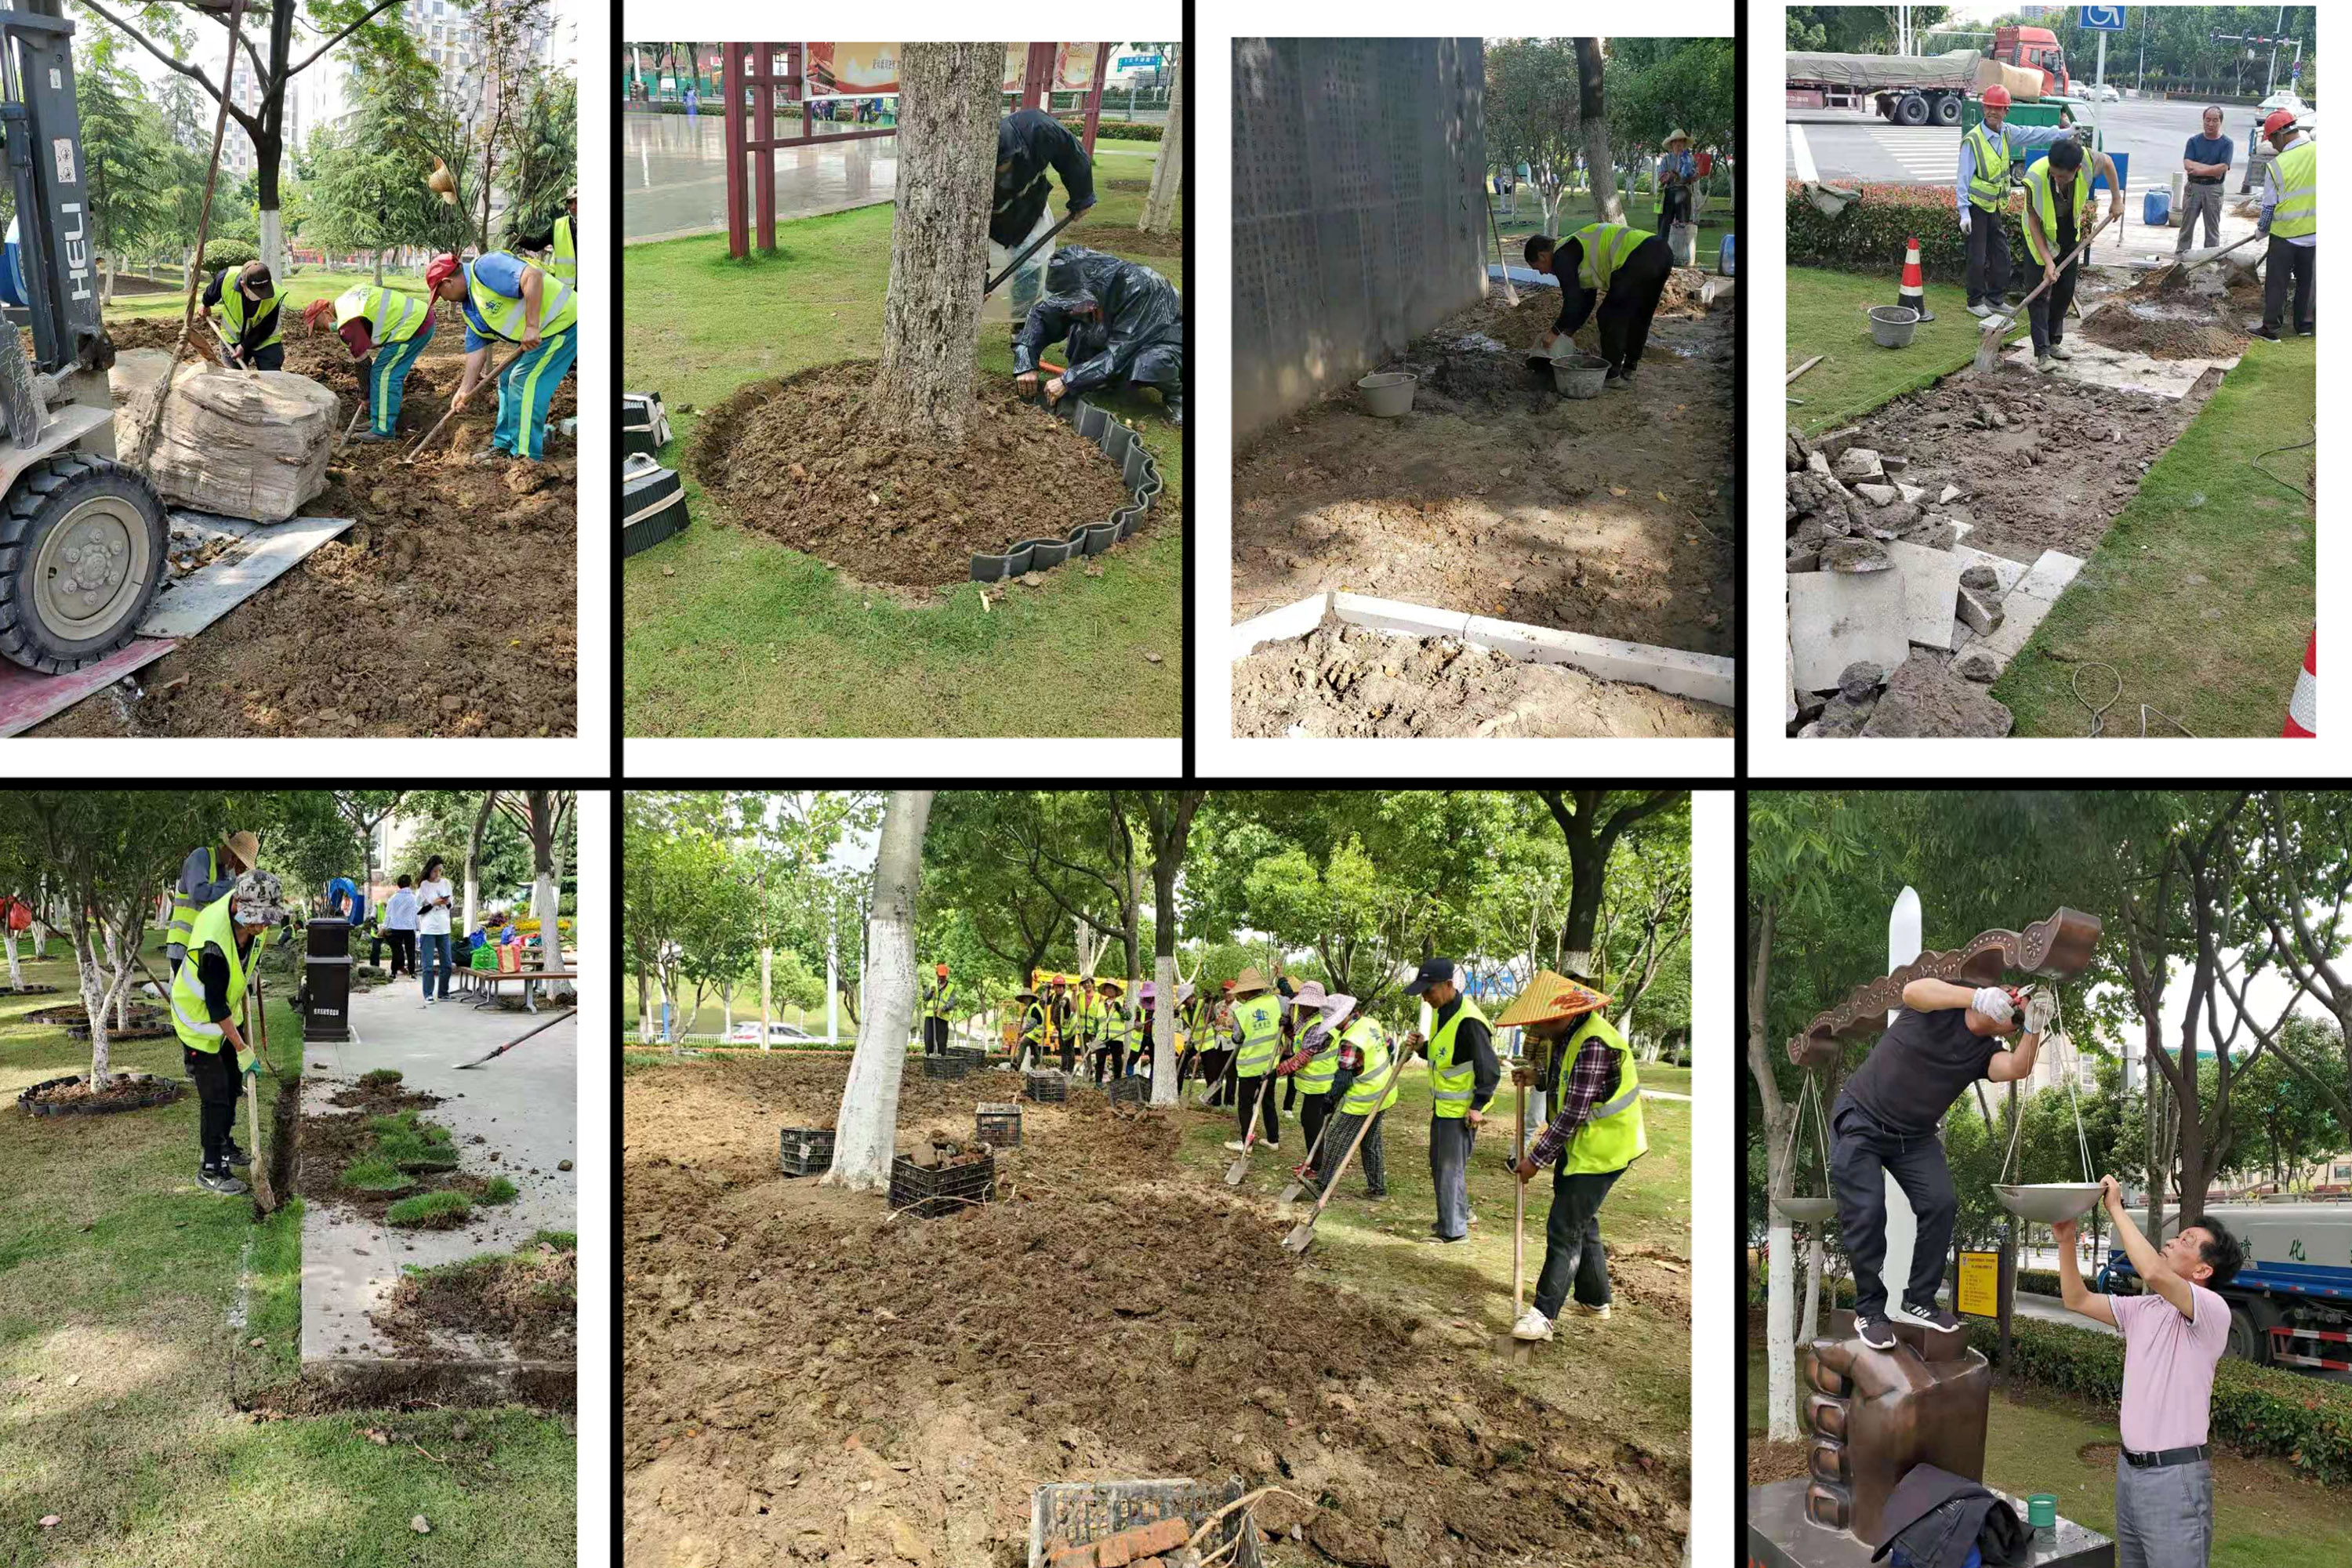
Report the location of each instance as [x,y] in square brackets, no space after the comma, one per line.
[430,946]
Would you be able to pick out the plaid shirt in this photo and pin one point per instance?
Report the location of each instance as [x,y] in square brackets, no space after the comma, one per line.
[1593,1079]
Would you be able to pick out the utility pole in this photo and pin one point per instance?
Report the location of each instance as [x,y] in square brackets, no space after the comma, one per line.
[2270,81]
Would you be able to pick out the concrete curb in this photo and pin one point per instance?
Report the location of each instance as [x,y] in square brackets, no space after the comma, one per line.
[1138,471]
[1705,678]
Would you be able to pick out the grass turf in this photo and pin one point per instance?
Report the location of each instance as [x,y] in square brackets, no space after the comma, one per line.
[1826,317]
[118,1273]
[1576,210]
[2201,594]
[726,632]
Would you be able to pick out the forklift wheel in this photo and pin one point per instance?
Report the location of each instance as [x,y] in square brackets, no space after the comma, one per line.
[81,558]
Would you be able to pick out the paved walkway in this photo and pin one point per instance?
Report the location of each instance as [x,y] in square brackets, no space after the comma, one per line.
[520,1106]
[675,177]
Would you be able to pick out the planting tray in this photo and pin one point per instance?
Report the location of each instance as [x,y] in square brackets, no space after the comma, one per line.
[162,1092]
[940,1190]
[999,1126]
[1138,471]
[945,1067]
[652,504]
[805,1150]
[1076,1513]
[1130,1091]
[1047,1088]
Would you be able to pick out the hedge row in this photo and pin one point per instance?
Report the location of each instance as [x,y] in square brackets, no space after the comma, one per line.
[1125,130]
[1872,234]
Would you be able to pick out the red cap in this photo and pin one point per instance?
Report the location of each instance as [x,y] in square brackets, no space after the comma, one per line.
[1995,97]
[2280,120]
[316,312]
[440,267]
[941,968]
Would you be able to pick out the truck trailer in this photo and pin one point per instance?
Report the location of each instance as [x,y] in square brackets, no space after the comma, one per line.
[2291,1303]
[1923,90]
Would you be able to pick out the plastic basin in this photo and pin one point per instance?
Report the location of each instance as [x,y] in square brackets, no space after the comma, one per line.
[1388,395]
[1890,326]
[1579,376]
[2047,1203]
[1807,1210]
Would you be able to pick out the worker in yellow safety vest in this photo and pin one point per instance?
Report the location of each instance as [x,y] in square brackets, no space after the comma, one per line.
[386,330]
[558,245]
[2057,200]
[249,306]
[207,991]
[1256,1033]
[1463,1074]
[1595,1134]
[1622,270]
[1313,1065]
[1030,1043]
[504,298]
[1111,1031]
[1084,1026]
[1370,1075]
[1980,192]
[2291,218]
[205,876]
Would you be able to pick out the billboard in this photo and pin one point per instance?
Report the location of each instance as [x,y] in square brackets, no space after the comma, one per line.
[852,70]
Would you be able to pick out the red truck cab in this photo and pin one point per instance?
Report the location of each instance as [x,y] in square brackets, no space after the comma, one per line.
[2035,48]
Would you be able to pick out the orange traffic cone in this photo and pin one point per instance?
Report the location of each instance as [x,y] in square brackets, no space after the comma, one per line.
[1913,294]
[2303,708]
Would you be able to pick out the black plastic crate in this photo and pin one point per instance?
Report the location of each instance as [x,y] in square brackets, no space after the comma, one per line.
[1079,1513]
[945,1067]
[999,1126]
[806,1150]
[653,505]
[1047,1088]
[1130,1091]
[939,1190]
[972,1054]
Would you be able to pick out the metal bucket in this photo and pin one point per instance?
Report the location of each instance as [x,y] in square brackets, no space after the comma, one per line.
[1890,326]
[1388,395]
[1579,376]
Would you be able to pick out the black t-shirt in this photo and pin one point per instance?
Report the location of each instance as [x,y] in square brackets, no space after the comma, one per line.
[1923,1063]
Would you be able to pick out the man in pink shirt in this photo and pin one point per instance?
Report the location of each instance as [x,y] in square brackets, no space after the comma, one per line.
[2174,1334]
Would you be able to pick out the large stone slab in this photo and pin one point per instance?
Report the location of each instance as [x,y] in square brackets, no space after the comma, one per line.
[243,443]
[1837,618]
[2095,365]
[2051,571]
[1931,586]
[1925,699]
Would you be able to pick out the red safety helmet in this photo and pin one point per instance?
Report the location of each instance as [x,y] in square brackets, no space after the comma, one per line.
[2280,120]
[439,268]
[317,311]
[1995,96]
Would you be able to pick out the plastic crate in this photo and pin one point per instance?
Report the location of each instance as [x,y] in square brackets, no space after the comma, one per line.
[805,1150]
[1130,1091]
[945,1067]
[1076,1513]
[971,1056]
[942,1190]
[998,1126]
[1047,1088]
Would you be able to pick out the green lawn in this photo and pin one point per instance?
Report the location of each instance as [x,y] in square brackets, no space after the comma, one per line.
[119,1368]
[2263,1513]
[311,283]
[1576,210]
[1826,317]
[1636,1383]
[728,633]
[2201,594]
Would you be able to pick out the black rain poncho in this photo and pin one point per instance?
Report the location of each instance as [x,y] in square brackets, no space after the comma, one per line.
[1139,338]
[1029,143]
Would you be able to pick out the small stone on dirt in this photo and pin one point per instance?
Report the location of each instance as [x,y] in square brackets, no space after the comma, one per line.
[417,1523]
[564,1164]
[1980,577]
[451,702]
[1858,463]
[1154,658]
[1977,666]
[1859,679]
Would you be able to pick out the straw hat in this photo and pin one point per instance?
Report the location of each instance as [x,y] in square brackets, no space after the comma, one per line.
[1025,994]
[1108,986]
[1308,995]
[1336,1009]
[1249,981]
[1675,135]
[1549,996]
[245,848]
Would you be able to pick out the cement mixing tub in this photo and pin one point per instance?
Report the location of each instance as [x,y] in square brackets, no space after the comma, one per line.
[1388,395]
[1890,326]
[2047,1203]
[1579,376]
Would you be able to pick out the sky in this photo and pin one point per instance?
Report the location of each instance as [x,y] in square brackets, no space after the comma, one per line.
[213,47]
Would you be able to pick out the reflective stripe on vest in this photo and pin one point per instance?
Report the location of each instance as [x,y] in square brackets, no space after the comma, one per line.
[1605,245]
[1376,1085]
[939,999]
[1114,1023]
[391,317]
[1032,1022]
[1614,1136]
[564,262]
[1260,1022]
[2042,200]
[1452,1083]
[189,1019]
[235,309]
[183,904]
[2297,213]
[1989,185]
[557,307]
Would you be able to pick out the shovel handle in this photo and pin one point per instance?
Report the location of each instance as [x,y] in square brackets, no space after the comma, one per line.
[2071,257]
[418,450]
[1396,1063]
[1027,251]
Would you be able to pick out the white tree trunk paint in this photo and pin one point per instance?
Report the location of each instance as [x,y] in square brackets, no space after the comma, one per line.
[1168,168]
[1809,1325]
[273,245]
[866,1130]
[1780,1333]
[1902,1225]
[15,971]
[767,983]
[1163,1030]
[833,975]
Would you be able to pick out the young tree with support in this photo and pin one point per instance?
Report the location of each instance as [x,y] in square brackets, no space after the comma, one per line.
[866,1131]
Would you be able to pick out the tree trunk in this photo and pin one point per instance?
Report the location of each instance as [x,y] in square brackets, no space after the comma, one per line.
[644,1007]
[95,1001]
[767,982]
[1809,1325]
[939,240]
[1593,121]
[1168,168]
[866,1130]
[118,980]
[379,269]
[15,970]
[1780,1331]
[1163,983]
[473,854]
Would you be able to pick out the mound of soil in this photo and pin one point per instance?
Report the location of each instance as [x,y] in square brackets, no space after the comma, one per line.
[382,1100]
[1136,243]
[798,460]
[526,1301]
[1353,680]
[2163,337]
[807,1380]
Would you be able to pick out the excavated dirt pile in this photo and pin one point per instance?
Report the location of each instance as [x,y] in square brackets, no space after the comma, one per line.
[807,1382]
[798,460]
[1353,681]
[527,1301]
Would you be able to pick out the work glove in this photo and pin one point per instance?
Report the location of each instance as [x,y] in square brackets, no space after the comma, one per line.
[1964,220]
[1992,1002]
[1290,1064]
[2040,1009]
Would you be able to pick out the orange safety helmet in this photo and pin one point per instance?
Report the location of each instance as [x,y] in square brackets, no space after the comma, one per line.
[2280,120]
[438,269]
[1995,96]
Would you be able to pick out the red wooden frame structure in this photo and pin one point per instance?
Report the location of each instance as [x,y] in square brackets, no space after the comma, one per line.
[753,73]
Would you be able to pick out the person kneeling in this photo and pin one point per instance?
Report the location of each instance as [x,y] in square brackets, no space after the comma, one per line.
[1124,323]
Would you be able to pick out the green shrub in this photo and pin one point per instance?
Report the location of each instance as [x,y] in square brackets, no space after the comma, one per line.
[1872,234]
[431,1211]
[375,1174]
[1124,129]
[381,1078]
[220,253]
[500,1191]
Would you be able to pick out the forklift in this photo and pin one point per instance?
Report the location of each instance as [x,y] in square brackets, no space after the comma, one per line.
[82,537]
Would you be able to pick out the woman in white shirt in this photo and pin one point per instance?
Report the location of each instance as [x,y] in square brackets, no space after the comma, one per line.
[433,899]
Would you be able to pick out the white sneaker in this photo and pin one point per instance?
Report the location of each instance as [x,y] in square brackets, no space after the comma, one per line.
[2062,350]
[1601,1313]
[1236,1146]
[1532,1326]
[1980,310]
[426,1003]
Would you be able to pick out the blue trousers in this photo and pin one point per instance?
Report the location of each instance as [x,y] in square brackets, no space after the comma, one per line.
[433,952]
[526,388]
[386,371]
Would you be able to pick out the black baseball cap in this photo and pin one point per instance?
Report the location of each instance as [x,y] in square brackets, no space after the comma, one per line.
[1432,971]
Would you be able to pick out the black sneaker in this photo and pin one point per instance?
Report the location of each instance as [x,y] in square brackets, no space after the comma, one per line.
[1933,1317]
[237,1156]
[219,1180]
[2268,333]
[1874,1330]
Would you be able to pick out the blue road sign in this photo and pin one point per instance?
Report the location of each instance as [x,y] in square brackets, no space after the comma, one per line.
[2103,19]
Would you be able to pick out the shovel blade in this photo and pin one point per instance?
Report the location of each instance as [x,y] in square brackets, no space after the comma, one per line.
[1237,1170]
[1290,1193]
[1301,1236]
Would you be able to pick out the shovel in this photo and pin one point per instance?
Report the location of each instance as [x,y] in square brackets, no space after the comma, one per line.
[1240,1167]
[1026,252]
[1997,325]
[264,1200]
[1298,1182]
[519,1039]
[2181,266]
[1510,294]
[418,450]
[1302,1235]
[229,349]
